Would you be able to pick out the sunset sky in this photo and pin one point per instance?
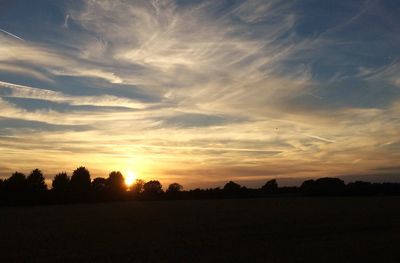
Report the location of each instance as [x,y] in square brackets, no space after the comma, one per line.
[201,92]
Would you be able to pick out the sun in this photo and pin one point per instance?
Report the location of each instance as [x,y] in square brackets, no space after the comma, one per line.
[130,178]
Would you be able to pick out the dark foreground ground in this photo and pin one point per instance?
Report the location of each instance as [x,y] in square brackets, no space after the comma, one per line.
[365,229]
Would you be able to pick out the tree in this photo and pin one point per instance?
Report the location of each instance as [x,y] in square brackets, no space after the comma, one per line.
[232,187]
[360,188]
[35,182]
[61,187]
[16,183]
[307,186]
[152,187]
[80,181]
[1,191]
[174,188]
[116,183]
[99,184]
[323,186]
[271,186]
[61,182]
[35,186]
[15,188]
[137,187]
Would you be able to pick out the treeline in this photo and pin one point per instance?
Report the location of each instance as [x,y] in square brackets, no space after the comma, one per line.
[20,189]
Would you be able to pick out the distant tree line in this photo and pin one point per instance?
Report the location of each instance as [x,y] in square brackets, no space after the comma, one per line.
[20,189]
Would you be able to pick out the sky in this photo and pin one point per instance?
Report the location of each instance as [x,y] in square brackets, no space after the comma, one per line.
[201,92]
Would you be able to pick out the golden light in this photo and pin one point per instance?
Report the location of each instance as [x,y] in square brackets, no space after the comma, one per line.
[130,178]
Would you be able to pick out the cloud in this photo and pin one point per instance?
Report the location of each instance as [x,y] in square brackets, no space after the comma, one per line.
[66,20]
[25,126]
[188,120]
[25,71]
[21,91]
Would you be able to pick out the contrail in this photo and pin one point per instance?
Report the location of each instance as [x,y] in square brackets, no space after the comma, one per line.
[320,138]
[8,33]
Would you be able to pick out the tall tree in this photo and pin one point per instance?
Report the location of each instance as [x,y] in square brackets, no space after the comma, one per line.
[16,183]
[80,182]
[116,183]
[35,182]
[15,188]
[61,182]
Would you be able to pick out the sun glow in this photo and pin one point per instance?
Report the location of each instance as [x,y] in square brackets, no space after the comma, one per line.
[130,178]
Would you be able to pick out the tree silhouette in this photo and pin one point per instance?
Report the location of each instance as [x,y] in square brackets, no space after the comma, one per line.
[35,182]
[61,182]
[99,189]
[323,186]
[116,183]
[270,187]
[99,184]
[232,187]
[360,188]
[15,188]
[35,187]
[174,188]
[61,188]
[18,189]
[16,183]
[137,188]
[80,183]
[1,191]
[152,188]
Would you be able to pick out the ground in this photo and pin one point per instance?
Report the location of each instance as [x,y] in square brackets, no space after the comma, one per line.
[342,229]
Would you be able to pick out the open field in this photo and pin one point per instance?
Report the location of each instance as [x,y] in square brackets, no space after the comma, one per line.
[365,229]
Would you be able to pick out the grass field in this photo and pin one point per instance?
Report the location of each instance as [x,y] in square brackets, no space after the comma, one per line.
[365,229]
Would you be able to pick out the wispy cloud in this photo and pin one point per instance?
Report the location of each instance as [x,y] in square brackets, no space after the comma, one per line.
[20,91]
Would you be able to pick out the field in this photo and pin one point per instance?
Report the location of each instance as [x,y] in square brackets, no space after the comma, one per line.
[364,229]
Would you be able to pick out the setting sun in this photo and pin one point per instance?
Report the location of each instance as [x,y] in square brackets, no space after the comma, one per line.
[130,178]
